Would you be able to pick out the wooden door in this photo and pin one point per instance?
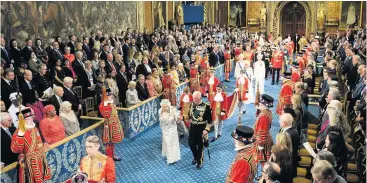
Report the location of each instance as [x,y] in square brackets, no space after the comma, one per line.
[293,19]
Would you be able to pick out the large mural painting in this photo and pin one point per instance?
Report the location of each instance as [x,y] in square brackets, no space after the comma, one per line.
[49,19]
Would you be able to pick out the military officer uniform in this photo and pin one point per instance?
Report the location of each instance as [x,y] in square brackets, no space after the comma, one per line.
[201,119]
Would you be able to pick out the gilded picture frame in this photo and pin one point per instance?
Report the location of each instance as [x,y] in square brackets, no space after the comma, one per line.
[346,13]
[243,17]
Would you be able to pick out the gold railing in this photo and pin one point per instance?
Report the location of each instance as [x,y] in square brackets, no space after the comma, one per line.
[63,141]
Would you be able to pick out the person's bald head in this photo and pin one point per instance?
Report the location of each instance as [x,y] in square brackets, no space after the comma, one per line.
[271,171]
[110,57]
[28,75]
[362,70]
[285,120]
[59,91]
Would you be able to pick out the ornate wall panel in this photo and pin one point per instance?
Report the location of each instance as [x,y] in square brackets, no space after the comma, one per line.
[140,11]
[222,12]
[333,9]
[170,10]
[48,19]
[274,16]
[148,16]
[253,9]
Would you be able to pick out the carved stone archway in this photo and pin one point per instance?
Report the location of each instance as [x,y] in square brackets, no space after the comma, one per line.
[277,28]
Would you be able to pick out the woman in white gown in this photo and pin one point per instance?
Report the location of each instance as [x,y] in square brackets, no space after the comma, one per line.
[250,75]
[168,117]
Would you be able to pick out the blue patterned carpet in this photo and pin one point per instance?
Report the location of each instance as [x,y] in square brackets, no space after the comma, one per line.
[142,161]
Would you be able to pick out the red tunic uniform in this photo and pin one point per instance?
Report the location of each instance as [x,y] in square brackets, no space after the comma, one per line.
[244,166]
[185,107]
[262,134]
[242,88]
[112,131]
[212,86]
[204,69]
[98,167]
[32,153]
[295,77]
[301,65]
[277,59]
[284,96]
[169,89]
[248,55]
[194,79]
[218,107]
[227,64]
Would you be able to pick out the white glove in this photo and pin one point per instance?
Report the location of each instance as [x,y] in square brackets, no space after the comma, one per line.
[222,113]
[20,133]
[236,90]
[260,148]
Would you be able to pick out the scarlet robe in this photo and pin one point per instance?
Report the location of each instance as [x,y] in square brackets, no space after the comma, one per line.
[212,87]
[248,55]
[242,88]
[169,89]
[284,97]
[262,134]
[277,59]
[194,79]
[112,131]
[32,154]
[244,167]
[227,58]
[219,107]
[99,167]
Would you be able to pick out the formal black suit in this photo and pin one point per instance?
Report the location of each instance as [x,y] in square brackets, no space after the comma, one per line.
[78,67]
[70,96]
[141,69]
[111,66]
[55,102]
[221,56]
[122,81]
[54,57]
[41,83]
[348,64]
[16,53]
[213,59]
[6,56]
[28,93]
[352,77]
[103,56]
[126,54]
[72,48]
[6,90]
[143,93]
[7,156]
[82,77]
[26,53]
[293,133]
[88,51]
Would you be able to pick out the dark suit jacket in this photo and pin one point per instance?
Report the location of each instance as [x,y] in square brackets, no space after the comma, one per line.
[5,55]
[26,53]
[352,76]
[42,83]
[29,95]
[88,51]
[141,69]
[213,59]
[143,93]
[122,84]
[295,145]
[7,156]
[72,98]
[53,100]
[54,57]
[72,48]
[16,54]
[103,56]
[77,67]
[221,57]
[126,53]
[347,65]
[6,90]
[109,65]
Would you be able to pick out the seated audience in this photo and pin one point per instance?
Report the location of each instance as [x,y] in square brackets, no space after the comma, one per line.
[51,126]
[132,95]
[69,119]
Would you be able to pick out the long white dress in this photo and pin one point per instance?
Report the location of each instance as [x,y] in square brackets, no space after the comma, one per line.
[170,142]
[250,76]
[259,75]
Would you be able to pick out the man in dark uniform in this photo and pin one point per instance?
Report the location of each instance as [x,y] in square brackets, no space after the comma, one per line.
[200,116]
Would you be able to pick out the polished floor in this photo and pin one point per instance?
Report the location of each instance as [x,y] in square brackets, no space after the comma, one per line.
[142,161]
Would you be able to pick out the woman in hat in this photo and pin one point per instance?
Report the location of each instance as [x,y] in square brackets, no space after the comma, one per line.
[262,128]
[244,166]
[51,126]
[168,117]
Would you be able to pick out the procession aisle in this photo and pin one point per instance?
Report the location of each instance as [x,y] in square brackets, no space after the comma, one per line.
[142,161]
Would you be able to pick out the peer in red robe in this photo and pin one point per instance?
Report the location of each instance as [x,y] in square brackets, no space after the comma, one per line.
[227,63]
[212,83]
[285,95]
[169,88]
[185,102]
[194,78]
[204,74]
[219,111]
